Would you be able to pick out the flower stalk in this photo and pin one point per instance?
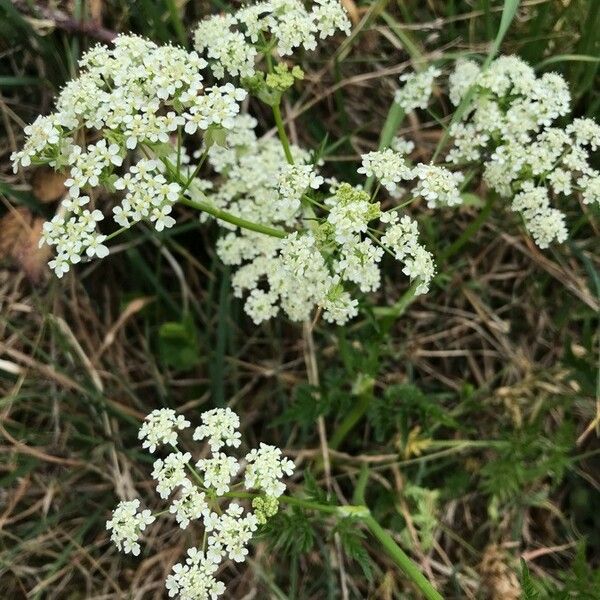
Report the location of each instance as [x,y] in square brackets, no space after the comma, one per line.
[228,217]
[363,514]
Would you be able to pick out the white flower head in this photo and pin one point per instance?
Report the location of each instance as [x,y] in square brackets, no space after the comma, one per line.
[127,524]
[220,427]
[416,90]
[218,471]
[230,534]
[160,428]
[438,185]
[266,468]
[195,578]
[388,166]
[170,473]
[190,505]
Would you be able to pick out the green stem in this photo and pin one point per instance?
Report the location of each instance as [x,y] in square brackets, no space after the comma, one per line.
[282,134]
[401,559]
[398,309]
[193,176]
[230,218]
[350,420]
[363,514]
[292,501]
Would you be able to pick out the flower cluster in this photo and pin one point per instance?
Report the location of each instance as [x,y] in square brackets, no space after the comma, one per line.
[198,491]
[127,525]
[401,238]
[437,185]
[388,166]
[131,97]
[508,127]
[329,249]
[416,89]
[230,41]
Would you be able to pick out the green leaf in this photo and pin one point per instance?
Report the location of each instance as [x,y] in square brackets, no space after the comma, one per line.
[352,542]
[291,532]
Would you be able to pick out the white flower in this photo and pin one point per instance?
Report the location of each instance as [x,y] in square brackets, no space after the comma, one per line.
[438,185]
[160,428]
[127,524]
[359,263]
[339,305]
[586,133]
[96,247]
[388,166]
[292,26]
[191,505]
[417,88]
[149,196]
[330,16]
[220,427]
[218,106]
[160,217]
[590,184]
[266,468]
[228,50]
[351,211]
[261,306]
[293,183]
[230,534]
[402,145]
[461,79]
[228,528]
[420,266]
[545,224]
[195,579]
[218,471]
[401,238]
[42,136]
[560,180]
[171,473]
[133,94]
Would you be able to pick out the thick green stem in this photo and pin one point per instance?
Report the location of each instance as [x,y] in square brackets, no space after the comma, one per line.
[401,559]
[230,218]
[293,501]
[285,142]
[363,514]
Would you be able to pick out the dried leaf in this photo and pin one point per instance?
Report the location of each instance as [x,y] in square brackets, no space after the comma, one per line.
[48,185]
[20,234]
